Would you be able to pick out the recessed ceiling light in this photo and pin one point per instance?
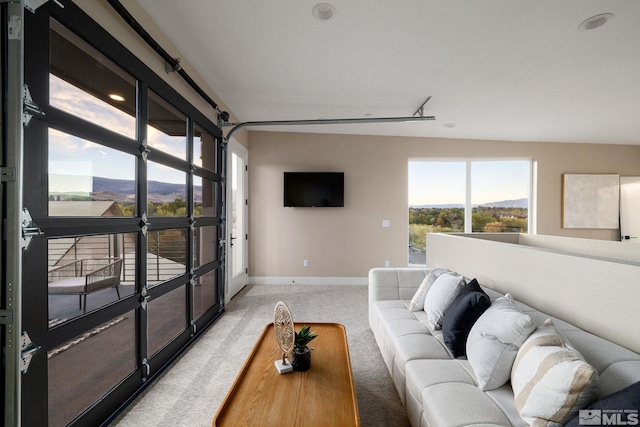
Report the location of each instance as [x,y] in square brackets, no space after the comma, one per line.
[323,11]
[116,97]
[595,21]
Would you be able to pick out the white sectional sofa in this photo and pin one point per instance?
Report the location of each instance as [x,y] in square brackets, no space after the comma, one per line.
[439,390]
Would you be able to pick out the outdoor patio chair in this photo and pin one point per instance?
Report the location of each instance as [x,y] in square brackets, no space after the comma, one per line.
[85,276]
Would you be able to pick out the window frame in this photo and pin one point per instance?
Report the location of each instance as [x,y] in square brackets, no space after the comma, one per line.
[468,205]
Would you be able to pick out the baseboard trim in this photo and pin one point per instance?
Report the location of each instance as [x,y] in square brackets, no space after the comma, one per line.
[268,280]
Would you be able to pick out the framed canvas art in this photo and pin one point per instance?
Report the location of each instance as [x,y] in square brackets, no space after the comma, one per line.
[591,201]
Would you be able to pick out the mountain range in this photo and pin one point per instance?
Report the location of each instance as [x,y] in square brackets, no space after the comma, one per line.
[515,203]
[124,191]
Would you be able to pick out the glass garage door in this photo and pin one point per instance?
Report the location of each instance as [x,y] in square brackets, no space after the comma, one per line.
[124,178]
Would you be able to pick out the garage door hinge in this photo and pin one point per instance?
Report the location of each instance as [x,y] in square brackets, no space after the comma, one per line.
[33,5]
[29,229]
[144,298]
[29,108]
[27,350]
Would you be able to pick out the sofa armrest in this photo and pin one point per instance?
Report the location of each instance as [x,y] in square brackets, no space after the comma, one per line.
[395,283]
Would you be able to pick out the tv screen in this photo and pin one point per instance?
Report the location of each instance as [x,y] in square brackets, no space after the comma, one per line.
[314,189]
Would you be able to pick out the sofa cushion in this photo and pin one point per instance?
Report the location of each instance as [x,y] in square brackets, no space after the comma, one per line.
[621,402]
[444,393]
[470,302]
[617,376]
[551,381]
[494,341]
[440,295]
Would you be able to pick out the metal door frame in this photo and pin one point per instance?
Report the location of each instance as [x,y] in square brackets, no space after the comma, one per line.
[11,141]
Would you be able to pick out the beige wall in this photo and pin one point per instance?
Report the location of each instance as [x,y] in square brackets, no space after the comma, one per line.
[347,242]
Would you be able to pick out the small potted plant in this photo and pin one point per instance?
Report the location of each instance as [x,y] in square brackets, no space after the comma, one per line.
[301,354]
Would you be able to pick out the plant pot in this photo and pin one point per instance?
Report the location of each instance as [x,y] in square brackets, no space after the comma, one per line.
[301,361]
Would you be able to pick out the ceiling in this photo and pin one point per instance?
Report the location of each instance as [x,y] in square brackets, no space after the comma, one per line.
[495,69]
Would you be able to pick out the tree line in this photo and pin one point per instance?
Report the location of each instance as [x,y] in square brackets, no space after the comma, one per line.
[177,207]
[447,220]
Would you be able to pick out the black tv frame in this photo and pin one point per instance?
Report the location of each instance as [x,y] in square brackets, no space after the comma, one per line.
[313,189]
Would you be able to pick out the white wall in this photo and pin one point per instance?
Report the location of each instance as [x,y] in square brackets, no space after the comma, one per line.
[597,295]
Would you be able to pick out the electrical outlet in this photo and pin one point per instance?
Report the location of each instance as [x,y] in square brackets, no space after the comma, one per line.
[306,263]
[387,263]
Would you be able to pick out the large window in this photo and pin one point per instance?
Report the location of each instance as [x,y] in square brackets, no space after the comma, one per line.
[470,196]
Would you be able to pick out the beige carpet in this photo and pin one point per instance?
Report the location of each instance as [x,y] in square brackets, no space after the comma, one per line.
[189,393]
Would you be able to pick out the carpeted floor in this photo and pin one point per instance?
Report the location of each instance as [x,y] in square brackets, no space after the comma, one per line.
[189,393]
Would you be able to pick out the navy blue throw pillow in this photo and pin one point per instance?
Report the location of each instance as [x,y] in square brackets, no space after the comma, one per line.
[468,305]
[624,403]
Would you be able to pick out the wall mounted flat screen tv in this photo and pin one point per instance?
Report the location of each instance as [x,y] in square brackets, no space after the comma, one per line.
[314,189]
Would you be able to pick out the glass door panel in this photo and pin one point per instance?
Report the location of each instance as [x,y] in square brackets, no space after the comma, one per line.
[85,368]
[85,273]
[167,128]
[167,318]
[89,179]
[166,191]
[205,245]
[85,83]
[205,193]
[166,255]
[205,150]
[205,293]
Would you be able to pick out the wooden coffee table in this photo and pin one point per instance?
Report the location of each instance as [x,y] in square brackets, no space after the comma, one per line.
[322,396]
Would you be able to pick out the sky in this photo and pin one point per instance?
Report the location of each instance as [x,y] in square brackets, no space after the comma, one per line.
[444,181]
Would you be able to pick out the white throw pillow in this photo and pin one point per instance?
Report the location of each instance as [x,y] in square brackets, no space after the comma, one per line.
[494,341]
[417,302]
[550,380]
[440,295]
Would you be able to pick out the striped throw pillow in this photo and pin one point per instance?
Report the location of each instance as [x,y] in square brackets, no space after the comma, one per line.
[417,302]
[550,380]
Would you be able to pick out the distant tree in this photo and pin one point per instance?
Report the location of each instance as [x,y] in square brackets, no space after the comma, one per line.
[480,221]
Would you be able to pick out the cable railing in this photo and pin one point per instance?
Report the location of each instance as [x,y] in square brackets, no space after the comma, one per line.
[166,253]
